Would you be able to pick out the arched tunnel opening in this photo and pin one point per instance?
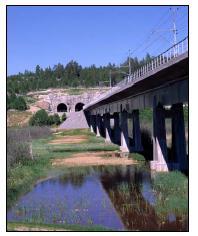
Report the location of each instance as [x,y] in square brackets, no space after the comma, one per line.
[79,106]
[61,107]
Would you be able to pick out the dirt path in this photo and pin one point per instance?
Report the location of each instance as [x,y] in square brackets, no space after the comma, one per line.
[93,159]
[69,139]
[33,109]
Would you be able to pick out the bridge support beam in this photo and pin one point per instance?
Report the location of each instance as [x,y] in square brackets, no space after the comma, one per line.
[124,132]
[116,129]
[160,154]
[92,123]
[178,137]
[98,125]
[107,127]
[136,141]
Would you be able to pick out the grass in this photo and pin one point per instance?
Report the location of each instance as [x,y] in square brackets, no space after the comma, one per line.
[75,132]
[137,157]
[146,114]
[172,193]
[23,176]
[92,143]
[18,118]
[30,100]
[82,147]
[12,226]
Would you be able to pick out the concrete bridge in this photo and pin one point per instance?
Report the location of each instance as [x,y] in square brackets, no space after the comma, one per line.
[162,85]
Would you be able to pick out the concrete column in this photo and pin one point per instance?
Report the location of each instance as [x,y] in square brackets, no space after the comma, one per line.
[136,132]
[98,125]
[91,123]
[107,127]
[117,131]
[124,132]
[178,136]
[160,155]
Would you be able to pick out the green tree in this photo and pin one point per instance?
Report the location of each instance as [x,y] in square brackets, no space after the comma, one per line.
[63,118]
[56,119]
[50,120]
[40,118]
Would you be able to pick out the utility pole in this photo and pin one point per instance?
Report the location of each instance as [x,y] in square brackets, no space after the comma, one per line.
[110,83]
[129,62]
[174,25]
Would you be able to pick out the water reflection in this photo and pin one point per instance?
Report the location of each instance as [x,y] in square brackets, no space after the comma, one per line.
[116,197]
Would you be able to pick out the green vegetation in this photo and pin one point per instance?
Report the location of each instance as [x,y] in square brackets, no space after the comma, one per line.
[16,102]
[23,169]
[41,118]
[23,174]
[137,157]
[13,226]
[18,118]
[186,114]
[56,119]
[64,117]
[29,100]
[76,132]
[84,147]
[172,193]
[70,75]
[146,114]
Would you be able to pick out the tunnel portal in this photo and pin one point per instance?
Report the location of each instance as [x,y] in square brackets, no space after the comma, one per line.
[61,107]
[79,106]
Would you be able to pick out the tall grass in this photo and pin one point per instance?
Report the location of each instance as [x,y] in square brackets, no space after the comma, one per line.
[22,168]
[19,140]
[172,193]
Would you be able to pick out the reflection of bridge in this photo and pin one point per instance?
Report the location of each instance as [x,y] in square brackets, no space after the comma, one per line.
[160,83]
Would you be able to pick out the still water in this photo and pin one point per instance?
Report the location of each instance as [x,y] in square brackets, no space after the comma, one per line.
[118,198]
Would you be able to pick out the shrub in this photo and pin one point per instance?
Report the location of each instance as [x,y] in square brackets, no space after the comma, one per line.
[14,102]
[50,120]
[40,118]
[56,119]
[63,118]
[18,147]
[19,143]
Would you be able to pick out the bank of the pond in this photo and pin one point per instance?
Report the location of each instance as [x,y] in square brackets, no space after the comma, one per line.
[22,176]
[172,194]
[15,226]
[171,189]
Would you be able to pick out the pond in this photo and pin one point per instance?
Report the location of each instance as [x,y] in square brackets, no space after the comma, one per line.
[115,197]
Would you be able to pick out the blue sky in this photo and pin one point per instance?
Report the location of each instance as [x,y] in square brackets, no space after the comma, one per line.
[46,36]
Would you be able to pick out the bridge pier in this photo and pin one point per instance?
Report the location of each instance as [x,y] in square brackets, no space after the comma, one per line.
[107,127]
[116,128]
[136,144]
[124,132]
[161,160]
[160,154]
[98,125]
[178,137]
[92,123]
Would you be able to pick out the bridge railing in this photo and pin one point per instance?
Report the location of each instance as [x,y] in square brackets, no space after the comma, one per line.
[173,52]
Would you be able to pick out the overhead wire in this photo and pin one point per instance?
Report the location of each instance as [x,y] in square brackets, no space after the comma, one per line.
[150,39]
[151,32]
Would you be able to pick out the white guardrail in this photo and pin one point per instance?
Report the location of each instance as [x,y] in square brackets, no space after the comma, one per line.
[173,52]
